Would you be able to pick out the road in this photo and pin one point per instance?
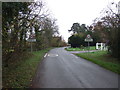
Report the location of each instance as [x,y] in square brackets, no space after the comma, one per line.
[61,69]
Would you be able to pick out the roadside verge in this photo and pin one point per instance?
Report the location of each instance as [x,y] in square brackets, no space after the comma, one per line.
[102,59]
[20,74]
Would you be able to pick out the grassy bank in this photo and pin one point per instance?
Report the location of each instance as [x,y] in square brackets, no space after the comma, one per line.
[103,59]
[80,49]
[20,74]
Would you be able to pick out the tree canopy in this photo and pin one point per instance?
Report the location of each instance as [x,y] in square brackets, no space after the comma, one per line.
[22,19]
[109,30]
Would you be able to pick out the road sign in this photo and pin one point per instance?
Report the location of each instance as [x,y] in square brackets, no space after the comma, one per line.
[31,40]
[88,38]
[31,36]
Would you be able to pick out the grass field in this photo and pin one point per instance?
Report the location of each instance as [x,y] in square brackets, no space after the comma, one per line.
[81,49]
[20,74]
[103,59]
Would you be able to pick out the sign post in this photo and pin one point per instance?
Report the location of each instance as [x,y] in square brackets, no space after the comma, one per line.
[31,46]
[88,39]
[31,39]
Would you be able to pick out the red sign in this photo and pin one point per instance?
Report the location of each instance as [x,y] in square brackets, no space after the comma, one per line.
[32,36]
[88,36]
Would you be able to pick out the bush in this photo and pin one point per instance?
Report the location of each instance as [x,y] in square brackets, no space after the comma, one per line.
[76,41]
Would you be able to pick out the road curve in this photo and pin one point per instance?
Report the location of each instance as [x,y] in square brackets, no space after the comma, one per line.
[61,69]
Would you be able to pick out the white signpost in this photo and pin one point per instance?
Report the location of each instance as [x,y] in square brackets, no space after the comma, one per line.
[88,39]
[31,39]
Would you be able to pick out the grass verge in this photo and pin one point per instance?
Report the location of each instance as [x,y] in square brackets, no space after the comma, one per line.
[20,73]
[81,49]
[103,59]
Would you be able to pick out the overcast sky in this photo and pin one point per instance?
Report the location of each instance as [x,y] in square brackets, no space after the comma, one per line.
[68,12]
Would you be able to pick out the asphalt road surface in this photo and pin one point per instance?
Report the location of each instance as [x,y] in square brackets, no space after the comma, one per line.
[61,69]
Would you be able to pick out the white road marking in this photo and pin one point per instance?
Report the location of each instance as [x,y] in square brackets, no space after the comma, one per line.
[53,55]
[74,55]
[45,55]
